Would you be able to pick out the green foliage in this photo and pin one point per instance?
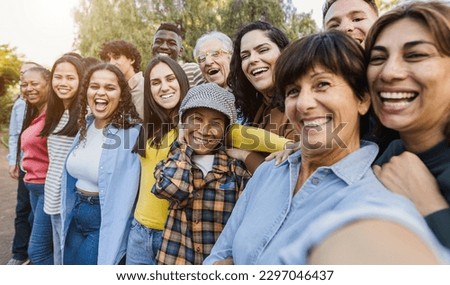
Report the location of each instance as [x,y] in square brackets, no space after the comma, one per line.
[6,103]
[104,20]
[9,77]
[238,13]
[136,21]
[9,68]
[386,5]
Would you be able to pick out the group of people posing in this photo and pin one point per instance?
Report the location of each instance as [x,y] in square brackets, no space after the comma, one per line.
[333,148]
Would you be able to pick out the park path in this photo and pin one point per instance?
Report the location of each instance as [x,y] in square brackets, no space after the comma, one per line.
[8,188]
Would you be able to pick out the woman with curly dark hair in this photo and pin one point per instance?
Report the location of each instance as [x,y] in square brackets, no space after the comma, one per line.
[101,175]
[256,48]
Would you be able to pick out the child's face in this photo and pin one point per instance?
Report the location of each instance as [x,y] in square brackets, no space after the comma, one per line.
[204,129]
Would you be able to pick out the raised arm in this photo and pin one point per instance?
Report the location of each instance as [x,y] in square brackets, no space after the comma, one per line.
[250,142]
[174,180]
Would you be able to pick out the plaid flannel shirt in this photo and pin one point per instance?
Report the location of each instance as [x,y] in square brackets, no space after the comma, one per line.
[199,206]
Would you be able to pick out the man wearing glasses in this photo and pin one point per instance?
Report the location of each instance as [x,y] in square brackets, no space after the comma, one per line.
[213,54]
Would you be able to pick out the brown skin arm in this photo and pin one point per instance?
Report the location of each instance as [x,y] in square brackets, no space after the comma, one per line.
[14,171]
[251,159]
[372,242]
[226,261]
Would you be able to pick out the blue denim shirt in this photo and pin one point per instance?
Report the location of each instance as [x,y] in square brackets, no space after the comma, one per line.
[119,171]
[270,226]
[15,126]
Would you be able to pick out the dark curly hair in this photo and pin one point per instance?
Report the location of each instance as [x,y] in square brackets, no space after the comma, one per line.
[248,99]
[124,117]
[170,27]
[121,47]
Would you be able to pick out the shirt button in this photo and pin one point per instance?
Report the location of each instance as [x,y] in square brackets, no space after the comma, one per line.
[196,221]
[315,181]
[197,249]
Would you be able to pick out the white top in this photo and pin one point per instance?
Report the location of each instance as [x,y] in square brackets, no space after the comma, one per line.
[83,162]
[204,162]
[58,148]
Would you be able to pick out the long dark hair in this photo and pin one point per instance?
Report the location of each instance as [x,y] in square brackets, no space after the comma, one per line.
[55,106]
[248,99]
[157,122]
[124,117]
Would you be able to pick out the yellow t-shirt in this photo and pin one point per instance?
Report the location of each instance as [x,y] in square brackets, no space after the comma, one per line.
[151,211]
[255,139]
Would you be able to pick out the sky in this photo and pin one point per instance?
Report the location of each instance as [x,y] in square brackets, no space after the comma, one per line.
[43,30]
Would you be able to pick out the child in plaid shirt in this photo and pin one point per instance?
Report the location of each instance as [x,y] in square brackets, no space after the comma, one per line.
[201,182]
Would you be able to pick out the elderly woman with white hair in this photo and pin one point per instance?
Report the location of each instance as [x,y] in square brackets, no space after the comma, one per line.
[213,54]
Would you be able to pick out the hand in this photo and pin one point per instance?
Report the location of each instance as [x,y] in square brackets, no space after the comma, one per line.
[282,155]
[238,154]
[182,135]
[407,175]
[279,156]
[226,261]
[14,171]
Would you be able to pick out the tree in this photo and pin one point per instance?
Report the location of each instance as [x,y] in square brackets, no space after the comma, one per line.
[9,77]
[105,20]
[9,68]
[386,5]
[136,20]
[194,17]
[239,12]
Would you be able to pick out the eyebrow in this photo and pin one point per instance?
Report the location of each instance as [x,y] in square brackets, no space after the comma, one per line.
[405,46]
[419,42]
[257,47]
[351,13]
[164,76]
[324,72]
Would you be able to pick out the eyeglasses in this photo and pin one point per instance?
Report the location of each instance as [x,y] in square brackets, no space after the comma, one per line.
[214,54]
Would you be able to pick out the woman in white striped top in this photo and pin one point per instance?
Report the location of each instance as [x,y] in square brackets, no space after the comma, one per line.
[60,128]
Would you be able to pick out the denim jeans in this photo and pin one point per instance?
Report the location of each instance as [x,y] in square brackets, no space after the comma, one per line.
[143,244]
[81,246]
[40,249]
[57,230]
[22,222]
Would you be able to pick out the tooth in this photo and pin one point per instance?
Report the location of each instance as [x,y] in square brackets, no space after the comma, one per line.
[397,95]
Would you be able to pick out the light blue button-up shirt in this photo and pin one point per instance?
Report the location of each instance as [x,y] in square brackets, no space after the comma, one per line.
[271,226]
[15,126]
[118,183]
